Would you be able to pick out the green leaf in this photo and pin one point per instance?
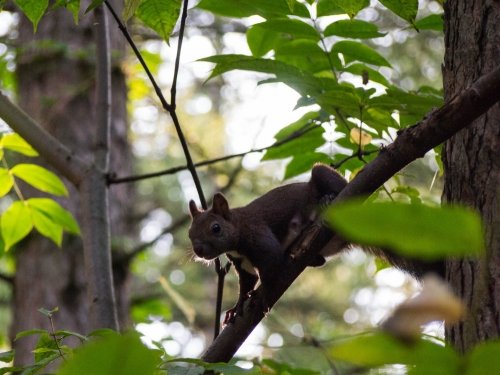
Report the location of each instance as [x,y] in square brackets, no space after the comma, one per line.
[291,27]
[114,354]
[406,9]
[46,312]
[328,8]
[160,15]
[304,82]
[15,224]
[365,71]
[7,357]
[261,40]
[304,162]
[55,212]
[432,22]
[46,226]
[130,8]
[33,9]
[350,7]
[14,142]
[355,29]
[40,178]
[354,51]
[484,359]
[72,5]
[29,332]
[304,54]
[246,8]
[306,143]
[65,333]
[374,350]
[415,230]
[6,181]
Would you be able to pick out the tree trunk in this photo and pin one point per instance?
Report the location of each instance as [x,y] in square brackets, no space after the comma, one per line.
[56,76]
[472,165]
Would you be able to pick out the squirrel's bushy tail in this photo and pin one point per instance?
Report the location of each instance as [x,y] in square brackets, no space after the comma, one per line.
[326,180]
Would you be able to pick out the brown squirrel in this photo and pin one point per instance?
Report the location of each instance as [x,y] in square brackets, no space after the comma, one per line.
[255,237]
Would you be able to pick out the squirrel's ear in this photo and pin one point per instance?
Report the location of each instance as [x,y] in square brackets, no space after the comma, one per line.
[193,208]
[220,206]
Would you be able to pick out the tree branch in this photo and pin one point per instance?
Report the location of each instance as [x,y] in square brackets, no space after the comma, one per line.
[57,154]
[305,129]
[103,90]
[411,144]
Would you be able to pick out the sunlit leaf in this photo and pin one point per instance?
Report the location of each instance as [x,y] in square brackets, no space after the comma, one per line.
[56,213]
[15,224]
[6,181]
[355,29]
[33,9]
[40,178]
[406,9]
[14,142]
[350,7]
[354,51]
[114,354]
[360,137]
[47,227]
[411,230]
[160,15]
[130,8]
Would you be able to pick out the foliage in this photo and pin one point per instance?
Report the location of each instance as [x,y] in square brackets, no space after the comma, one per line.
[47,216]
[339,75]
[412,230]
[297,45]
[106,352]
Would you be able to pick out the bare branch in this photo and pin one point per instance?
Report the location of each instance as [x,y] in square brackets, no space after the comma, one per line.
[412,143]
[103,90]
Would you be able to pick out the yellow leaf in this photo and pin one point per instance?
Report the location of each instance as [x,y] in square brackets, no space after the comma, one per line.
[360,137]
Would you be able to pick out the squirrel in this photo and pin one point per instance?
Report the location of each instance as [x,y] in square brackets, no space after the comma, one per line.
[255,237]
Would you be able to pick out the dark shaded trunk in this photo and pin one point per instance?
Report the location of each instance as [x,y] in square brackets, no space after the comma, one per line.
[56,73]
[472,165]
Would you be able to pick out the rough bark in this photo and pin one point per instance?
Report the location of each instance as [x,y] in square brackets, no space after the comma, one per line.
[472,165]
[57,88]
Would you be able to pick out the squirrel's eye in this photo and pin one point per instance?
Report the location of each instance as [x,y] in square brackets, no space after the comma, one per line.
[215,228]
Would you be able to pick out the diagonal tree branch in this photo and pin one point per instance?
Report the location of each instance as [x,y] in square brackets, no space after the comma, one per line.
[57,154]
[412,143]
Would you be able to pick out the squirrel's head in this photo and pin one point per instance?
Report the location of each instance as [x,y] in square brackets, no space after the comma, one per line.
[212,232]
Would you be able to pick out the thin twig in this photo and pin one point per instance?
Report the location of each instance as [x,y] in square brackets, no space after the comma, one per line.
[173,89]
[118,180]
[166,106]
